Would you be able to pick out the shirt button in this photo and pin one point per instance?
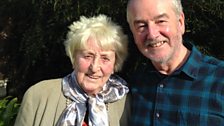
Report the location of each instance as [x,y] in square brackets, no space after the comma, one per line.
[161,86]
[157,115]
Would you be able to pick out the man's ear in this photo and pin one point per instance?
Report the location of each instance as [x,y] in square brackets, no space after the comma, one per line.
[182,22]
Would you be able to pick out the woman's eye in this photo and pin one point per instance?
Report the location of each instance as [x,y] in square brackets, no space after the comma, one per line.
[105,59]
[87,56]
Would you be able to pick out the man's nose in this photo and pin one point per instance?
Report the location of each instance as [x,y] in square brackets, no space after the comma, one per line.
[153,31]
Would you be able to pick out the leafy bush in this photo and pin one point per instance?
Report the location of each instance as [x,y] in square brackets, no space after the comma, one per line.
[8,110]
[31,38]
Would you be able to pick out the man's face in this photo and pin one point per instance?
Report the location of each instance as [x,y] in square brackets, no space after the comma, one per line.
[156,28]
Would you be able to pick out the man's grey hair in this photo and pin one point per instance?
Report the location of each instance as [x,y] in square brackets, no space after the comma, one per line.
[177,6]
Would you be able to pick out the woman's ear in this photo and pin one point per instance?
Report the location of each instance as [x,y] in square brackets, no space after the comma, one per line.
[74,66]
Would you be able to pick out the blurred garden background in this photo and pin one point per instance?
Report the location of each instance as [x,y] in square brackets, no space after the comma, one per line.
[32,33]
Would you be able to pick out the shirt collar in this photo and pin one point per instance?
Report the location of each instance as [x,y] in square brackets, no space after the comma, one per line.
[192,65]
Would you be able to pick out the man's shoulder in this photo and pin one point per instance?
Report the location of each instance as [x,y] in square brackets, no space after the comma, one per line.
[210,62]
[213,61]
[207,62]
[213,69]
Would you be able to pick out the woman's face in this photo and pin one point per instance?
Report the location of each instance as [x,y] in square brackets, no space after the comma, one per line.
[93,67]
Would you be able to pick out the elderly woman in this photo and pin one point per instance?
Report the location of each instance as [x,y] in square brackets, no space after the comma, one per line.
[92,95]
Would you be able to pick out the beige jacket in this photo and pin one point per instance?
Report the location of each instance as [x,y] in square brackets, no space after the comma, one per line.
[44,102]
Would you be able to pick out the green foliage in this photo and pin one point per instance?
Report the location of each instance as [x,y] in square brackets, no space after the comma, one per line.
[35,30]
[8,110]
[205,24]
[34,48]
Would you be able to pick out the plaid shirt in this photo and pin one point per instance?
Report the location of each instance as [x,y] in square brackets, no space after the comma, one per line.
[191,96]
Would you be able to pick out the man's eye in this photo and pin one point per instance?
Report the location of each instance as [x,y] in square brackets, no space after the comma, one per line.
[141,28]
[161,21]
[142,25]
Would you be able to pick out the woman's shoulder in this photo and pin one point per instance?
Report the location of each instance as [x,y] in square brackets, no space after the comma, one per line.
[46,85]
[47,91]
[45,88]
[42,103]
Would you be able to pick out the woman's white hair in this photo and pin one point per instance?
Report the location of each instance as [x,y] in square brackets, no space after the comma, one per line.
[108,35]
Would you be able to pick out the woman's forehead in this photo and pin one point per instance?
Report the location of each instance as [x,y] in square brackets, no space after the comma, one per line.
[93,43]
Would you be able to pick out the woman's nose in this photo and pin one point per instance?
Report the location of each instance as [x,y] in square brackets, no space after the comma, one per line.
[95,65]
